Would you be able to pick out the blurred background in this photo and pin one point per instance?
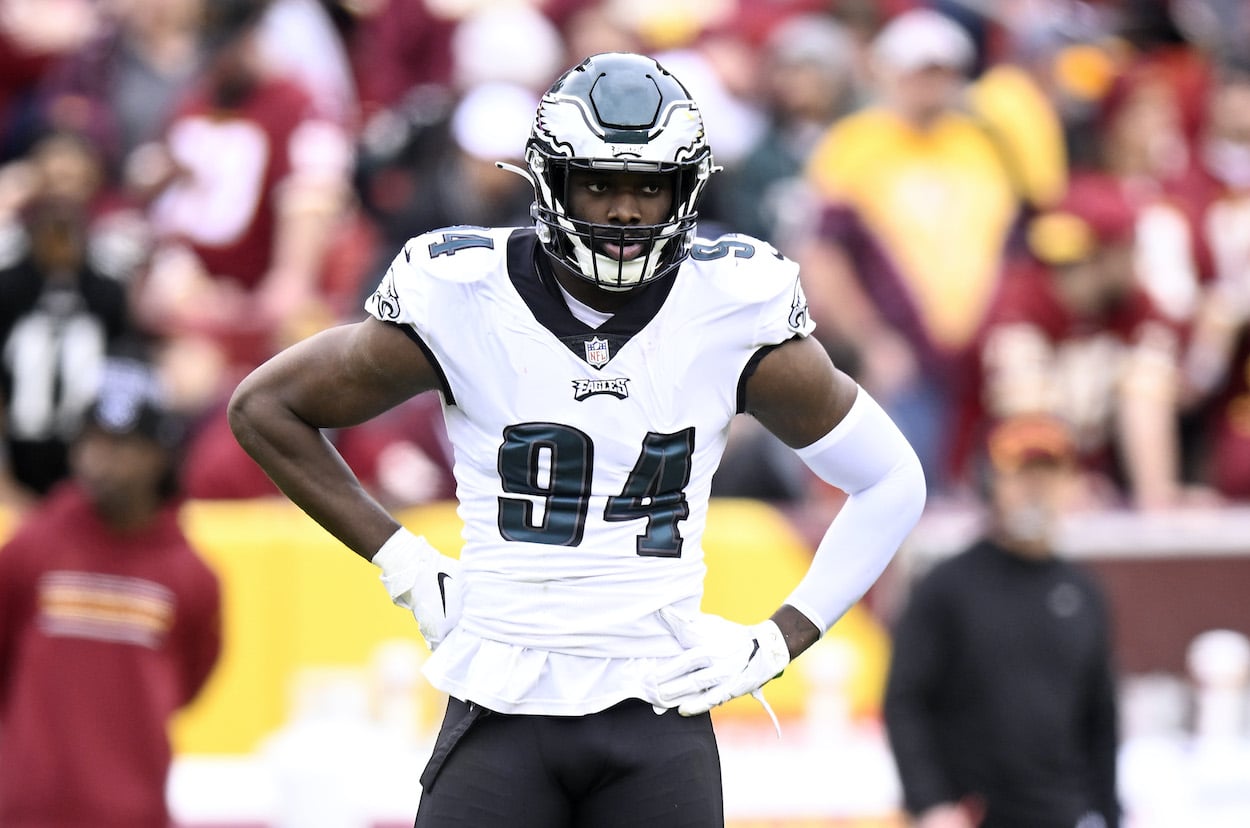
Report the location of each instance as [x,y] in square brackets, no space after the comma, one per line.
[1030,206]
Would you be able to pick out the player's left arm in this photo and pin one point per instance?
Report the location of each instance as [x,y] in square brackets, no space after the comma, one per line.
[845,437]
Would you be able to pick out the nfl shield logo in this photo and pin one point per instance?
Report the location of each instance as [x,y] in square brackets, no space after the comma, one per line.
[597,352]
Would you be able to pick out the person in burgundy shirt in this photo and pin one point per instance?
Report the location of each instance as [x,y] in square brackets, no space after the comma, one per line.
[1217,357]
[247,185]
[109,623]
[246,194]
[1072,333]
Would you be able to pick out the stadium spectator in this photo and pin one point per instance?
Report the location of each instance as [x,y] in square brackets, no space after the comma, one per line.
[1217,357]
[1143,145]
[1072,333]
[109,623]
[248,186]
[930,184]
[122,86]
[1142,134]
[1000,703]
[59,315]
[69,166]
[428,152]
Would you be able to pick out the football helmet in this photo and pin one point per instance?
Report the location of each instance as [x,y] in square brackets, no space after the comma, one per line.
[617,112]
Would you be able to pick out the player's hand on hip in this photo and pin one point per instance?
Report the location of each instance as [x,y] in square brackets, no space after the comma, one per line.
[421,579]
[723,660]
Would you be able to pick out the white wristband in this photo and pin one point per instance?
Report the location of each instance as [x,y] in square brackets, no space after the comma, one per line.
[400,560]
[398,549]
[422,580]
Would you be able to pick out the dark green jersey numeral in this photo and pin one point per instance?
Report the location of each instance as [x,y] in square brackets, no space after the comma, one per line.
[655,490]
[551,461]
[554,462]
[459,241]
[706,252]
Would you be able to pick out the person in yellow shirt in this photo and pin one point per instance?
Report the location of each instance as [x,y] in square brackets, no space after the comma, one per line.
[919,194]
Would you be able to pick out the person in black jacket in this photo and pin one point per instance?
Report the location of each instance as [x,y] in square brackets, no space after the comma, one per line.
[1000,703]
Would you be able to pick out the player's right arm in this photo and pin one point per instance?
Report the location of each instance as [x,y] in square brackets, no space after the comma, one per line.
[338,378]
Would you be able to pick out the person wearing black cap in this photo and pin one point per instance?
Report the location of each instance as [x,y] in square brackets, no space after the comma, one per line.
[109,623]
[1000,702]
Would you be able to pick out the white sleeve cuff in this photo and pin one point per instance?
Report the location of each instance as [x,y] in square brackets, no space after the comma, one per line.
[867,457]
[400,560]
[399,550]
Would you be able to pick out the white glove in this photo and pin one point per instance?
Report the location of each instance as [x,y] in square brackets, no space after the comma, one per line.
[421,579]
[723,660]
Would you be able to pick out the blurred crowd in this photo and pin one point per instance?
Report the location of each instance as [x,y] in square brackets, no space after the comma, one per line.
[1000,208]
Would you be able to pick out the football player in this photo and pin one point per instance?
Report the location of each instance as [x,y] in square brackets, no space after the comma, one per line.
[589,367]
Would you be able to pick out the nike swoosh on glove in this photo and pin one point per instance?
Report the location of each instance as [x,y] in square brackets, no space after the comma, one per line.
[421,579]
[723,660]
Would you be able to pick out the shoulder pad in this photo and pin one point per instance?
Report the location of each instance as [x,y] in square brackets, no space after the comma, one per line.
[735,247]
[735,256]
[743,271]
[461,253]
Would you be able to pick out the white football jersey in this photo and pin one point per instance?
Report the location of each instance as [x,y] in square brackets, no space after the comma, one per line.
[583,456]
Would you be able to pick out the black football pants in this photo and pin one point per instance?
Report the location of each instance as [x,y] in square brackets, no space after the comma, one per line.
[624,766]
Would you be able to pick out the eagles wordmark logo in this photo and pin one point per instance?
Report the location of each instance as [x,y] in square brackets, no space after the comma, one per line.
[617,386]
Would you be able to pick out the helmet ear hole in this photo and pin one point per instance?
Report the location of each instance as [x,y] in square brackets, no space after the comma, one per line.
[617,112]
